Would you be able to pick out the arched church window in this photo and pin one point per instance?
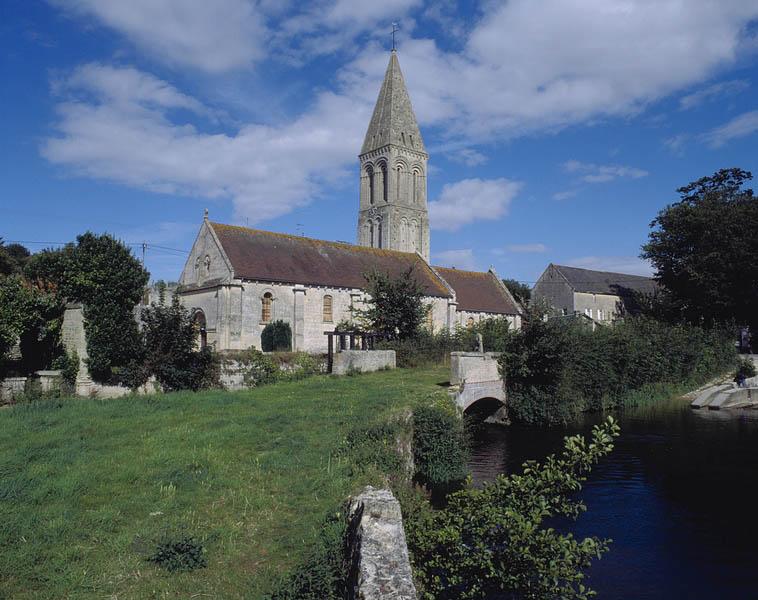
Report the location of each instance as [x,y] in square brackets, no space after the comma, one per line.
[402,137]
[266,305]
[385,183]
[415,186]
[371,233]
[379,245]
[370,175]
[207,263]
[197,263]
[410,136]
[200,328]
[399,180]
[328,316]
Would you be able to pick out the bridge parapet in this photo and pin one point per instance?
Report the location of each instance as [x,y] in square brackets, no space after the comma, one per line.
[475,376]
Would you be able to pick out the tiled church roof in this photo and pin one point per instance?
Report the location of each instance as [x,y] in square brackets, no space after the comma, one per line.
[478,292]
[277,257]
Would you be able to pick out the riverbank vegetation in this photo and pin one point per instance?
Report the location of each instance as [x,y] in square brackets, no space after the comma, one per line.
[559,368]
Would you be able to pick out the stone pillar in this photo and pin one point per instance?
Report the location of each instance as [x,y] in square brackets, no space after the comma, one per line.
[378,554]
[452,312]
[298,329]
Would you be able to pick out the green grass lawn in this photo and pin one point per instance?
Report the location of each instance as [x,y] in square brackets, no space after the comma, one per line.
[87,485]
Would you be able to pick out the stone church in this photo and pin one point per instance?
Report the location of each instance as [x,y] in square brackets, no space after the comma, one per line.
[236,279]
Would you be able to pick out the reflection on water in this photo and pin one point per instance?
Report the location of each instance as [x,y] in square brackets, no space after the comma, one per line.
[677,496]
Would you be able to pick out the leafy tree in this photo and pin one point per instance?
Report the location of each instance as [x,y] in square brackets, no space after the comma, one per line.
[396,308]
[491,542]
[101,273]
[705,251]
[31,317]
[168,349]
[13,257]
[521,292]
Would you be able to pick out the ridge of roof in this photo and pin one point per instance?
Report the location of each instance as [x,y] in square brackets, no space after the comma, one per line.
[479,291]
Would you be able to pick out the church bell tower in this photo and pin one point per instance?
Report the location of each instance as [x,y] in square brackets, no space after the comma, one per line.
[393,211]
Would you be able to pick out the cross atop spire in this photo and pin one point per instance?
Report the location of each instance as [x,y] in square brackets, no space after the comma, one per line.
[393,121]
[395,28]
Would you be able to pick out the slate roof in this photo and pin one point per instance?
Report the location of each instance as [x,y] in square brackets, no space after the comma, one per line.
[605,282]
[478,292]
[393,121]
[278,257]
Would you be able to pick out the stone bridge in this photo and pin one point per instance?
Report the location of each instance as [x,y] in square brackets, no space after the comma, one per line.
[475,379]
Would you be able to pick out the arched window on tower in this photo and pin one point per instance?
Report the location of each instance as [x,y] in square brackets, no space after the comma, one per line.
[370,175]
[379,245]
[398,180]
[266,304]
[414,192]
[328,316]
[385,183]
[371,233]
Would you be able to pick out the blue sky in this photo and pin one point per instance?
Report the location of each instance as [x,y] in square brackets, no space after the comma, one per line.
[556,128]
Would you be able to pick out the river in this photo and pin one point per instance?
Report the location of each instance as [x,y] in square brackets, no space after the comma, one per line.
[678,495]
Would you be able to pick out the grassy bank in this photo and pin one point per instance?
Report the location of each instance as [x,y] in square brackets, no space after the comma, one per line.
[87,486]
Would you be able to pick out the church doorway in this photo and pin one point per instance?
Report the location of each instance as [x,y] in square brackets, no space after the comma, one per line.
[198,320]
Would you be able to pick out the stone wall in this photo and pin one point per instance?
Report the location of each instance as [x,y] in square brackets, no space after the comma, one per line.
[378,553]
[362,361]
[11,388]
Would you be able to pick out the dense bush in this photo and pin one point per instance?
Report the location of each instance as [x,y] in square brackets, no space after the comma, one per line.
[557,369]
[276,337]
[167,351]
[440,450]
[396,308]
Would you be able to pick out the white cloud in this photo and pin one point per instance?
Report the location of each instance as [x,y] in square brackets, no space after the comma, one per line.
[460,259]
[468,156]
[564,195]
[470,200]
[109,128]
[616,264]
[710,93]
[526,248]
[536,66]
[327,26]
[740,126]
[676,143]
[212,36]
[592,173]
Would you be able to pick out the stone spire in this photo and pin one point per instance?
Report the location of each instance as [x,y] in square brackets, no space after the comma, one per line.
[393,121]
[393,210]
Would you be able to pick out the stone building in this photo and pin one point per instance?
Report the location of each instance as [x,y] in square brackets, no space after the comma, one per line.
[237,279]
[600,295]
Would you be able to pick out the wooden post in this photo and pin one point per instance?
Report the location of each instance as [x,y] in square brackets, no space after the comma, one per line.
[330,355]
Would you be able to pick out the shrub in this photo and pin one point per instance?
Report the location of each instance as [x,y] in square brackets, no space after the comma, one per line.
[68,364]
[276,337]
[258,368]
[178,553]
[440,450]
[745,369]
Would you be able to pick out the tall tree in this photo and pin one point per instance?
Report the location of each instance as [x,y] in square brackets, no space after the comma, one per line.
[396,308]
[705,250]
[100,272]
[520,291]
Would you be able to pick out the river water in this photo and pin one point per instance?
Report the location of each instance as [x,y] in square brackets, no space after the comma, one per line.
[678,495]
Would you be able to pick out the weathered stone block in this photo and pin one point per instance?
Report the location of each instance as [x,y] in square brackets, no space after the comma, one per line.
[379,564]
[362,361]
[473,367]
